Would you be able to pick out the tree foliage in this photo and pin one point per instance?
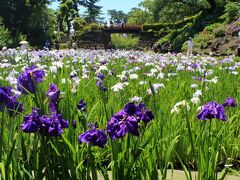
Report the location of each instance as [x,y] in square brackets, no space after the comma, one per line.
[93,11]
[31,17]
[163,11]
[232,11]
[5,38]
[67,13]
[139,16]
[33,20]
[117,17]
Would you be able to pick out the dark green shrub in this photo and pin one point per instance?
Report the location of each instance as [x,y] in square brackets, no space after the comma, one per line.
[5,36]
[178,36]
[211,27]
[220,31]
[216,29]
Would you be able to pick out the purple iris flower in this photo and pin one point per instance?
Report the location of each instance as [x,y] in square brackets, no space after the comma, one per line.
[53,125]
[28,79]
[122,123]
[101,76]
[127,120]
[230,102]
[144,114]
[131,108]
[53,93]
[74,123]
[82,105]
[104,62]
[73,76]
[212,110]
[199,78]
[53,107]
[44,123]
[25,83]
[195,66]
[30,124]
[94,136]
[103,88]
[5,92]
[4,96]
[38,74]
[99,83]
[8,99]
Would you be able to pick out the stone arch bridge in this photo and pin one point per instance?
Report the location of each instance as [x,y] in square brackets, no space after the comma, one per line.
[99,39]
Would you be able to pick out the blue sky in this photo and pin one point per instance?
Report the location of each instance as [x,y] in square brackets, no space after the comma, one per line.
[124,5]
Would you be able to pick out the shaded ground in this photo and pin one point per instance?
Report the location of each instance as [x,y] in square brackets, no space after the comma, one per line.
[178,175]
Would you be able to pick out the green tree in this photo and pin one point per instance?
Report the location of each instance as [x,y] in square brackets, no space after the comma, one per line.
[232,11]
[93,11]
[78,23]
[41,26]
[26,17]
[67,13]
[138,16]
[117,17]
[175,10]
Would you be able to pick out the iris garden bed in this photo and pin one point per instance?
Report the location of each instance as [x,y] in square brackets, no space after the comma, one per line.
[74,114]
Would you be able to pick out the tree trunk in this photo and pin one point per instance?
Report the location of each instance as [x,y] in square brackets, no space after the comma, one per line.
[68,27]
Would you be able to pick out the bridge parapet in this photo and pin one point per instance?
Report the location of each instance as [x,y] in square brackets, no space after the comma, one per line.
[123,28]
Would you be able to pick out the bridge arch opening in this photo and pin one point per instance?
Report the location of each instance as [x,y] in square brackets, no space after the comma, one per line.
[124,41]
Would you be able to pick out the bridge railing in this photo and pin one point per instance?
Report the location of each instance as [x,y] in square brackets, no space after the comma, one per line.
[126,27]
